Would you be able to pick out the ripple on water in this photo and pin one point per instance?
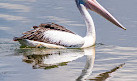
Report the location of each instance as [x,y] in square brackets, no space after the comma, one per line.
[111,56]
[7,47]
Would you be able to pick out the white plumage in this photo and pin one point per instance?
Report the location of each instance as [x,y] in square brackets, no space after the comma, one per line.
[31,43]
[64,38]
[58,37]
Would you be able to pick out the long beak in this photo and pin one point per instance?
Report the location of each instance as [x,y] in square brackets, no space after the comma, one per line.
[96,7]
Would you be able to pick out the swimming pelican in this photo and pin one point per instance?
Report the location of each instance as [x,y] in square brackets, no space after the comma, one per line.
[55,36]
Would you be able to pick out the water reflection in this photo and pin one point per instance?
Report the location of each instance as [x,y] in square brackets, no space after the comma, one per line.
[106,75]
[90,53]
[107,57]
[53,58]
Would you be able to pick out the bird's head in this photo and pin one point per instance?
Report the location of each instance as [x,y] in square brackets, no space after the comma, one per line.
[93,5]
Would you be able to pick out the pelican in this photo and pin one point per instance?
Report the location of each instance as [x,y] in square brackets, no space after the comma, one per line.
[52,35]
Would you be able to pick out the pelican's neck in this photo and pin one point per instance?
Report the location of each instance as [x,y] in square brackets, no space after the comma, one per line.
[88,20]
[91,34]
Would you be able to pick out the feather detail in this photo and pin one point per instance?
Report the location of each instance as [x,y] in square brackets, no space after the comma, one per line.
[52,34]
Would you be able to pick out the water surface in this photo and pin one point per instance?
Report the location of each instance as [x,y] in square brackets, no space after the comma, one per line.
[113,58]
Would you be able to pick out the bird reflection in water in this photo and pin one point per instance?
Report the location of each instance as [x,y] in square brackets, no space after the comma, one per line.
[53,58]
[106,75]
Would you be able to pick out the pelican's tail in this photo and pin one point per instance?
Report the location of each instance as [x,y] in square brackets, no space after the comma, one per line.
[17,38]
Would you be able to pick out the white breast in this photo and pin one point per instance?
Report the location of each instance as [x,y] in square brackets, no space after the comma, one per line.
[64,38]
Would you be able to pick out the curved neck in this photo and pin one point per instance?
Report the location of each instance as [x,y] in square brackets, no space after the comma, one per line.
[91,34]
[88,20]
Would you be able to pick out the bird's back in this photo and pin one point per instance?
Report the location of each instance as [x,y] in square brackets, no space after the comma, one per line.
[52,34]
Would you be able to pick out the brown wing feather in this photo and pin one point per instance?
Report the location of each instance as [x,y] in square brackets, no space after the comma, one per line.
[53,26]
[37,33]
